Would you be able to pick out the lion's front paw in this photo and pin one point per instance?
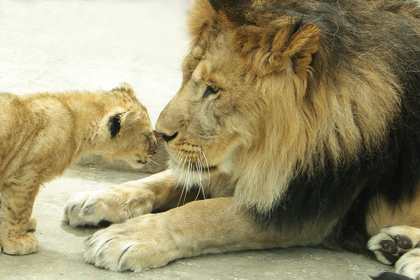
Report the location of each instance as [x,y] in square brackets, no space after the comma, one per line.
[112,205]
[92,208]
[393,242]
[23,245]
[138,244]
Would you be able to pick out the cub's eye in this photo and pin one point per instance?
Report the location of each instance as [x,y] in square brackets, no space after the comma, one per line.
[210,90]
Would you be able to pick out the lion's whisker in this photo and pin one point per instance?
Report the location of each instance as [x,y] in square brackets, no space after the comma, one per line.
[207,164]
[200,162]
[200,183]
[179,163]
[181,160]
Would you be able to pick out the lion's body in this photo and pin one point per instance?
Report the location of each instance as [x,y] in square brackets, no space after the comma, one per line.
[305,115]
[319,107]
[43,134]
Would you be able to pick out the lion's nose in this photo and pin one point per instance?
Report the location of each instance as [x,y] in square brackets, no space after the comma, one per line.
[168,138]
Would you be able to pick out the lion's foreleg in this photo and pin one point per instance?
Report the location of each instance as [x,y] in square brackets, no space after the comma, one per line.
[199,227]
[119,203]
[17,226]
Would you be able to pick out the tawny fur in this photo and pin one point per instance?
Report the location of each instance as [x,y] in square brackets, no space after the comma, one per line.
[263,79]
[299,119]
[43,134]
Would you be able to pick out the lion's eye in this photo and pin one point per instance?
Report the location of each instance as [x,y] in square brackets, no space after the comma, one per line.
[210,90]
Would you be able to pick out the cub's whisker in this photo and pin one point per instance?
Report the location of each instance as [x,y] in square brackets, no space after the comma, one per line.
[150,161]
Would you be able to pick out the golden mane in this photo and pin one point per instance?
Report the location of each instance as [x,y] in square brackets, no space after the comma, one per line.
[306,117]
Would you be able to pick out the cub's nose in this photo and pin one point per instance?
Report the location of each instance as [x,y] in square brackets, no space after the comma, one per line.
[154,147]
[153,144]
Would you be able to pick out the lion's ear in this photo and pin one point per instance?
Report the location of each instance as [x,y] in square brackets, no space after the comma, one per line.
[303,44]
[274,48]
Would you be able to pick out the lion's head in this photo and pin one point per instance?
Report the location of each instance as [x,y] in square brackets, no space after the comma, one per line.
[259,102]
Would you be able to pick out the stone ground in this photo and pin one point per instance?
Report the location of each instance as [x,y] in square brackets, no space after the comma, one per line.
[60,254]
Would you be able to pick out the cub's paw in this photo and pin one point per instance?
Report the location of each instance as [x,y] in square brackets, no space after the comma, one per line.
[393,242]
[23,245]
[109,205]
[32,223]
[137,244]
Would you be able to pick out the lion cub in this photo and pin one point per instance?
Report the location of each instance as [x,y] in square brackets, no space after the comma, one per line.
[43,134]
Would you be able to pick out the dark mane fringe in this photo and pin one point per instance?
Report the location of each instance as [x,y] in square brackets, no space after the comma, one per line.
[393,169]
[234,10]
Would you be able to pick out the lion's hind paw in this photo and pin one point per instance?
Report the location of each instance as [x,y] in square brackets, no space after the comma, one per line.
[392,242]
[398,245]
[409,264]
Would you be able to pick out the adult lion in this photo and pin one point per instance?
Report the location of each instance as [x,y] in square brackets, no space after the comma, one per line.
[299,121]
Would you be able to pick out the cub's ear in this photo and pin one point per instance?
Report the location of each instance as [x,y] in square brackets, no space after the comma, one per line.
[118,121]
[125,88]
[114,125]
[273,48]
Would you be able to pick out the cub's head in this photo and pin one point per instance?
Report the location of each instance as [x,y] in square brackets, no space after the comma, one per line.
[240,90]
[125,131]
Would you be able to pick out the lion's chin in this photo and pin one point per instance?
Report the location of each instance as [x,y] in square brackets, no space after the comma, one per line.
[194,176]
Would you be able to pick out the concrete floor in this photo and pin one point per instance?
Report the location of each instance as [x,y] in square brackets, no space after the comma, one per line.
[66,45]
[60,255]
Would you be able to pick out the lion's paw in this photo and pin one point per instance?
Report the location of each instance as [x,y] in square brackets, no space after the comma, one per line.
[92,208]
[135,245]
[409,264]
[393,242]
[86,208]
[111,205]
[24,245]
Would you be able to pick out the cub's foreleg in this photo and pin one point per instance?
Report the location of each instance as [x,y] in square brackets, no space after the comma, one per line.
[17,226]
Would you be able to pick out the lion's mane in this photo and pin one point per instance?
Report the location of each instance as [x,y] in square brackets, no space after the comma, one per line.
[333,124]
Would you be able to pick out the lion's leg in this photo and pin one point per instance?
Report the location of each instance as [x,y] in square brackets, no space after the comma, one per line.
[398,245]
[199,227]
[131,199]
[16,228]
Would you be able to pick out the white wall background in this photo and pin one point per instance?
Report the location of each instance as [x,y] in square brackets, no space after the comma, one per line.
[60,45]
